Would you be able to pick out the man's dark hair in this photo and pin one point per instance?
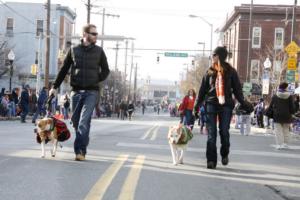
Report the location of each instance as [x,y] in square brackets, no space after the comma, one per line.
[87,28]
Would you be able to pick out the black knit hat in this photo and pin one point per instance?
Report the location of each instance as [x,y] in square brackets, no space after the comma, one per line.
[221,52]
[283,86]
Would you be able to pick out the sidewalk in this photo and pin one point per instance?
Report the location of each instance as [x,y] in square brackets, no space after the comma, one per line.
[262,132]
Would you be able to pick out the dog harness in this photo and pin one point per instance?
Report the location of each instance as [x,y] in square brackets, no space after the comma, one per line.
[186,135]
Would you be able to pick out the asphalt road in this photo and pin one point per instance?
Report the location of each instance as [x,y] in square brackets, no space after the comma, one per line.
[132,160]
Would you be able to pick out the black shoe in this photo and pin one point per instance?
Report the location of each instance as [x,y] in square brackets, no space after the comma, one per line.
[225,160]
[211,165]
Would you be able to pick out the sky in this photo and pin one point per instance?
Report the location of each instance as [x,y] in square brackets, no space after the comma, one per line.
[158,24]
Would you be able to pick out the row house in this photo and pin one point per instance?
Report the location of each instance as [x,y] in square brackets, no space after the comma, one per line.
[20,27]
[270,34]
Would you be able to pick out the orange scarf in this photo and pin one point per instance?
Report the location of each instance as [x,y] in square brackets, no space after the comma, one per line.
[219,84]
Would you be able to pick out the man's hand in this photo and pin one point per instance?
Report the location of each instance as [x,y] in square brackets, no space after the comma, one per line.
[52,92]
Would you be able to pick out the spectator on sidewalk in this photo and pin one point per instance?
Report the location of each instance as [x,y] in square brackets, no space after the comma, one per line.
[259,110]
[130,110]
[66,106]
[41,109]
[24,103]
[283,107]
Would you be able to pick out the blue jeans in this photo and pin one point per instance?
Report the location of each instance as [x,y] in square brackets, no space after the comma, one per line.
[25,110]
[224,114]
[82,105]
[188,118]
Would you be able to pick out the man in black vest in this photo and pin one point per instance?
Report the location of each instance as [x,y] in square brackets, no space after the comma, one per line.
[88,65]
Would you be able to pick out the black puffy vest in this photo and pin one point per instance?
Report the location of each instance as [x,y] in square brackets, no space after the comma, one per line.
[86,69]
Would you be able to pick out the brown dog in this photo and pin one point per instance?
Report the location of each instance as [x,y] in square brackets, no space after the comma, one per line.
[46,130]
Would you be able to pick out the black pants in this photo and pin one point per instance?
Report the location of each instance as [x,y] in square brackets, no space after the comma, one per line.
[223,115]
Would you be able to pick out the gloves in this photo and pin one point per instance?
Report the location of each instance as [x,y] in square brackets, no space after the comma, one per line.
[247,106]
[196,113]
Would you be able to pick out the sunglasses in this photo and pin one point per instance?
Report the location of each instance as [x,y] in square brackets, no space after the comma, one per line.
[93,34]
[214,55]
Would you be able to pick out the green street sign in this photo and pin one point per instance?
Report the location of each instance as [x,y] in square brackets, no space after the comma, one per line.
[290,76]
[175,54]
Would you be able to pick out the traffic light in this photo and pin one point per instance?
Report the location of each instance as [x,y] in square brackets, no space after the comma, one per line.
[157,59]
[193,62]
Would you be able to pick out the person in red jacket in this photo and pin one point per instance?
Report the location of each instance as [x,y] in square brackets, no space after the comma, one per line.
[186,108]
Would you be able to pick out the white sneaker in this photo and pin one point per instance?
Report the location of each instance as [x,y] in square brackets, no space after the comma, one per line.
[279,147]
[285,146]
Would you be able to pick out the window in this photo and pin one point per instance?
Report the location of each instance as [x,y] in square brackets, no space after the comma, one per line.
[254,73]
[279,36]
[39,27]
[256,37]
[10,26]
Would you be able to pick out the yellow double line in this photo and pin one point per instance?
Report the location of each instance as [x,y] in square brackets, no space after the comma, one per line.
[128,189]
[152,130]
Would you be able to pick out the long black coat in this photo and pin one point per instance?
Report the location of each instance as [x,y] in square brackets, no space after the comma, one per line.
[283,107]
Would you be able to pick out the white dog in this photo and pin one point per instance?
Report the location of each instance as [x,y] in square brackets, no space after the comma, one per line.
[178,138]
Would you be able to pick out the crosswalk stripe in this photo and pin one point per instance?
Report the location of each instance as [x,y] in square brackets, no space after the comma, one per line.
[147,133]
[99,189]
[128,189]
[154,134]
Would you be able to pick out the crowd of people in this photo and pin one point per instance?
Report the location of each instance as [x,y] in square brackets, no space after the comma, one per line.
[26,102]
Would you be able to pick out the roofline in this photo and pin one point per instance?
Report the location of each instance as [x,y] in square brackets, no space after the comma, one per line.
[257,9]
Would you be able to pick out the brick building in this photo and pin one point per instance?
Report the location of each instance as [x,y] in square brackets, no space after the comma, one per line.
[270,34]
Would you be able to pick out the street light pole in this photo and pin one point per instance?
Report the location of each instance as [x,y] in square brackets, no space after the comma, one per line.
[202,43]
[211,31]
[11,58]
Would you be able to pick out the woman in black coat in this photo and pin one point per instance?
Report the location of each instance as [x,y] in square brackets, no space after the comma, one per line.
[218,85]
[282,105]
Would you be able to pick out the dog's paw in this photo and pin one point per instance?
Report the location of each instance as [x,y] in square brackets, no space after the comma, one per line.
[175,164]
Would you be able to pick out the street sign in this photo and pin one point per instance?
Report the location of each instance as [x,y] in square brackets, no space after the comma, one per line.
[292,48]
[175,54]
[265,88]
[292,63]
[290,76]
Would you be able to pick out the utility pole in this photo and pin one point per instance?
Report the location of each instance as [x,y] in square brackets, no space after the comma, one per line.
[129,87]
[115,77]
[47,45]
[294,22]
[125,70]
[104,14]
[102,32]
[135,85]
[249,41]
[39,59]
[88,6]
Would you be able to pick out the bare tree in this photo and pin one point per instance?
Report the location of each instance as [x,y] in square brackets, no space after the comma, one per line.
[194,75]
[3,67]
[276,75]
